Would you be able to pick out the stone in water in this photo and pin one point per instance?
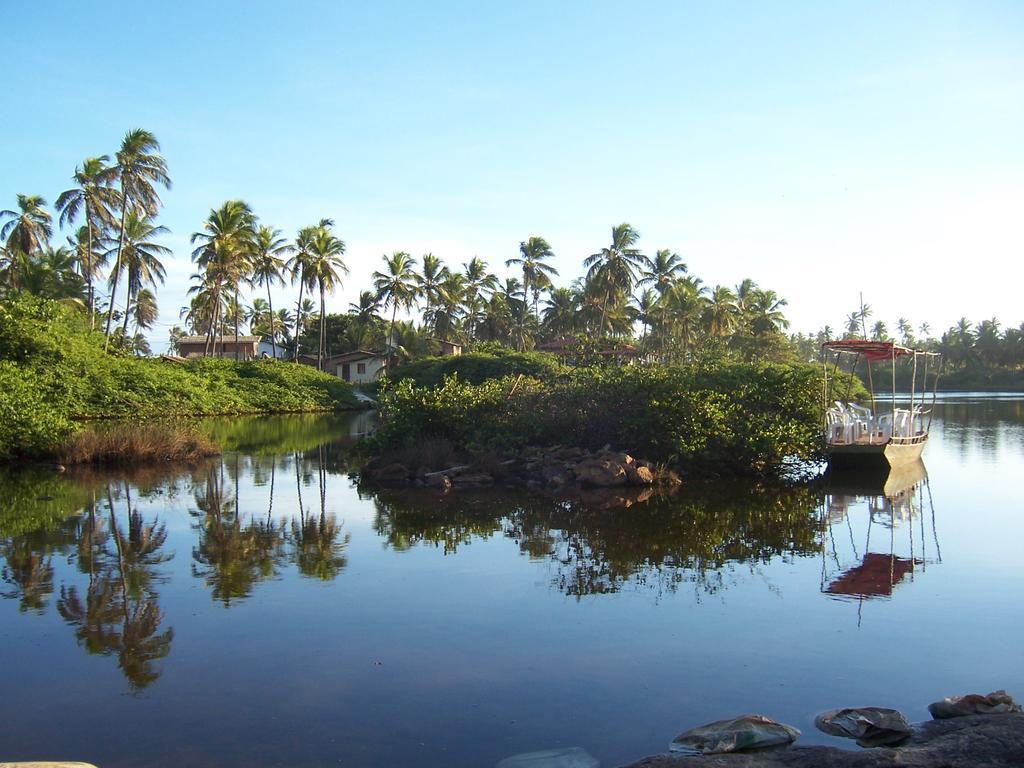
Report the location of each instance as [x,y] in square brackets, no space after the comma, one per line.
[567,757]
[738,734]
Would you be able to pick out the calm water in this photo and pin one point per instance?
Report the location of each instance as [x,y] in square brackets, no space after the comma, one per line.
[262,610]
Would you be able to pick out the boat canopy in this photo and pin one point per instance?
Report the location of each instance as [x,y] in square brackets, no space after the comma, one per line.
[872,350]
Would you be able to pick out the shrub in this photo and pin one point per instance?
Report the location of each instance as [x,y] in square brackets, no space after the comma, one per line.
[55,371]
[478,367]
[736,418]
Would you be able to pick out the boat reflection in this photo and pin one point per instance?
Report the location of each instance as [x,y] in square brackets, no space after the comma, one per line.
[875,536]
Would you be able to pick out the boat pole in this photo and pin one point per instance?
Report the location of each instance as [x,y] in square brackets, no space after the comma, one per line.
[893,393]
[913,390]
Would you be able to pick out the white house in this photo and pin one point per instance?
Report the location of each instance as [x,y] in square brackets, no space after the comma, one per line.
[359,367]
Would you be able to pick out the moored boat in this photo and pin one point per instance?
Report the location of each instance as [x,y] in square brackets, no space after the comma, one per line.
[860,436]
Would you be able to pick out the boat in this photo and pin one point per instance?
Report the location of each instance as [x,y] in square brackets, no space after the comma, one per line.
[858,436]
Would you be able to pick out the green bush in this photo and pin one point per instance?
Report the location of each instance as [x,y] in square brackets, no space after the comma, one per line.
[736,418]
[477,367]
[54,372]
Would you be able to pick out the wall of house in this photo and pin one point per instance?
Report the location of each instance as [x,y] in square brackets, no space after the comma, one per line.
[266,349]
[226,351]
[372,368]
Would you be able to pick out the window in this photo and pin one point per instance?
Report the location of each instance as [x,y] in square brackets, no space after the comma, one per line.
[360,367]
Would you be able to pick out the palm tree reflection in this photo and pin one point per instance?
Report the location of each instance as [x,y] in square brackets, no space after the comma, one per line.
[119,613]
[318,546]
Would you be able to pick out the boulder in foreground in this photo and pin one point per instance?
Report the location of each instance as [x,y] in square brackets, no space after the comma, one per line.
[870,726]
[740,733]
[997,702]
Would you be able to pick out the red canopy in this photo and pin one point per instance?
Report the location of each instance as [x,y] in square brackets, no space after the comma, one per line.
[872,350]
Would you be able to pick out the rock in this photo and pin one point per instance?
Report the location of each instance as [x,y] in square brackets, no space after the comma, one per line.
[438,480]
[472,480]
[971,741]
[601,473]
[973,704]
[392,474]
[870,726]
[567,757]
[556,473]
[568,454]
[740,733]
[639,475]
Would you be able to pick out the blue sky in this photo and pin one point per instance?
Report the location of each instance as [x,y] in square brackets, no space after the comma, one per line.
[821,149]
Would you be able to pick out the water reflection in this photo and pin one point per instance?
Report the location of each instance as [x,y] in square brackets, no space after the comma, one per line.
[871,562]
[100,542]
[594,548]
[119,612]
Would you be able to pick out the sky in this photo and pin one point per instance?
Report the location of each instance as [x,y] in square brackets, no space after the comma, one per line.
[822,149]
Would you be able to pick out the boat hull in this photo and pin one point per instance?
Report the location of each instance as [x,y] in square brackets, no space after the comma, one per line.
[894,453]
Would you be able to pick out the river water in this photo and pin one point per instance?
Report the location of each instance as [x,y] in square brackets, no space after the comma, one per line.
[263,610]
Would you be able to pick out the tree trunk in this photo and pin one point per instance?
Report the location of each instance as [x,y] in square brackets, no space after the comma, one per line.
[298,320]
[391,335]
[323,328]
[117,268]
[88,271]
[236,312]
[273,333]
[127,310]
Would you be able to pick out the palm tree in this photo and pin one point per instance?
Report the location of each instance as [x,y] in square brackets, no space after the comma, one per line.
[645,305]
[299,267]
[268,267]
[478,283]
[430,279]
[95,200]
[684,305]
[224,250]
[52,274]
[766,313]
[560,312]
[140,257]
[613,269]
[448,310]
[662,271]
[325,270]
[536,274]
[27,232]
[139,168]
[396,286]
[721,312]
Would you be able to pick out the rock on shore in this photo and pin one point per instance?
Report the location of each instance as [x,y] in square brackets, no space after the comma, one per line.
[971,741]
[557,468]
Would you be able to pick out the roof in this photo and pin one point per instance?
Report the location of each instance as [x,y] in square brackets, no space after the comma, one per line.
[358,354]
[874,577]
[226,339]
[872,350]
[572,344]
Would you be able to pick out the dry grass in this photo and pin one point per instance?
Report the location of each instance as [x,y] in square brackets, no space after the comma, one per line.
[137,443]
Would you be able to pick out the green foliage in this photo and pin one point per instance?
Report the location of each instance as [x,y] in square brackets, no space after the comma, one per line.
[54,371]
[478,367]
[736,418]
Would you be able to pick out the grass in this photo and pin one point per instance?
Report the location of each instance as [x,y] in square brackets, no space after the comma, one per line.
[120,444]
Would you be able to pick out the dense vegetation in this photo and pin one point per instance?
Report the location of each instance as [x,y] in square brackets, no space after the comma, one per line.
[649,299]
[478,367]
[54,373]
[737,418]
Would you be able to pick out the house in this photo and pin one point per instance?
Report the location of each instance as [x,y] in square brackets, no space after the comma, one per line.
[568,349]
[448,348]
[358,367]
[249,347]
